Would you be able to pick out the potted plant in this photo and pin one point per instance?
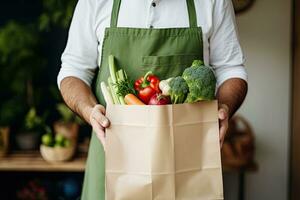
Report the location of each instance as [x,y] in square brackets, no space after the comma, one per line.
[22,62]
[23,57]
[68,124]
[29,136]
[8,112]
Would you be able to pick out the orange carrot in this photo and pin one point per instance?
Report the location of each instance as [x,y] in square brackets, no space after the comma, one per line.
[131,99]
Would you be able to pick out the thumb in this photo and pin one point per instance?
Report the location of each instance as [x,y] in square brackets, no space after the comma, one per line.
[223,111]
[222,114]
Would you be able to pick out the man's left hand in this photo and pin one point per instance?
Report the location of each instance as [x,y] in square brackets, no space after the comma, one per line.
[223,121]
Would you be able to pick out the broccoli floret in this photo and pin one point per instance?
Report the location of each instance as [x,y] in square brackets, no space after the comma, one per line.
[201,82]
[178,90]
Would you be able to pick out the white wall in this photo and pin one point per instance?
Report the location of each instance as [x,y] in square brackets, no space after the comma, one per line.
[265,34]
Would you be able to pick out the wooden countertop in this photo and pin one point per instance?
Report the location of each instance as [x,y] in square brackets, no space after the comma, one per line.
[33,161]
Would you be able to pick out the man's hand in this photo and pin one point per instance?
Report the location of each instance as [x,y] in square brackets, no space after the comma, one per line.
[99,122]
[223,121]
[79,97]
[230,95]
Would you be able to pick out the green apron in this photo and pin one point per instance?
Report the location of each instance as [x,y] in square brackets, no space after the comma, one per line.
[166,52]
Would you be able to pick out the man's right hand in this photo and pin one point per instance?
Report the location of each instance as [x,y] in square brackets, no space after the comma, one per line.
[80,98]
[99,122]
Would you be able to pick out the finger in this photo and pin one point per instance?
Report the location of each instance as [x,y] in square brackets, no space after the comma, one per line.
[222,114]
[100,118]
[100,132]
[101,108]
[222,134]
[223,130]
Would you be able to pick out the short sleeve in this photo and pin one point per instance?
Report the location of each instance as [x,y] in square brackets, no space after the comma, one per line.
[226,56]
[79,58]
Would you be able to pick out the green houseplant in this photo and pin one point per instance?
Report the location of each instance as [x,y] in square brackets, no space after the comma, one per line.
[23,60]
[56,13]
[21,65]
[68,124]
[29,136]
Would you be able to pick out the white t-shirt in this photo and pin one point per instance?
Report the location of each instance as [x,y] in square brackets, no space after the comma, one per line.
[216,17]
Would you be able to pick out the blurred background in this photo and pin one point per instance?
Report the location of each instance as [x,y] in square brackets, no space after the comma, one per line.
[260,153]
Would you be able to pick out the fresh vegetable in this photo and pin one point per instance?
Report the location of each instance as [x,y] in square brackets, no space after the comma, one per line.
[106,94]
[112,80]
[113,91]
[201,82]
[147,86]
[131,99]
[164,86]
[112,68]
[159,99]
[120,77]
[125,87]
[146,94]
[118,85]
[178,90]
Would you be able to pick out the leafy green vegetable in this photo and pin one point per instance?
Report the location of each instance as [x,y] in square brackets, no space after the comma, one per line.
[112,80]
[118,82]
[120,75]
[125,87]
[178,90]
[201,82]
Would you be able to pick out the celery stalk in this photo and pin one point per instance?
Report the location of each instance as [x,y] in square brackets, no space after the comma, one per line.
[122,101]
[113,91]
[114,79]
[106,94]
[121,77]
[112,68]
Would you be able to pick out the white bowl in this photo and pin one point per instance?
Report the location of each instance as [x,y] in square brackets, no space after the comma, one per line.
[57,154]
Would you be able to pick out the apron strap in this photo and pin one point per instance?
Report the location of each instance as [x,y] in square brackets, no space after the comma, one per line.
[192,13]
[190,6]
[115,13]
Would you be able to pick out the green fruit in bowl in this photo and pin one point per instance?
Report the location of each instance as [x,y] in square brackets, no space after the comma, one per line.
[47,139]
[58,145]
[67,143]
[59,139]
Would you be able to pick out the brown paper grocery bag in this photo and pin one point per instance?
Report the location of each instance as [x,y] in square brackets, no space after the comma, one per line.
[163,152]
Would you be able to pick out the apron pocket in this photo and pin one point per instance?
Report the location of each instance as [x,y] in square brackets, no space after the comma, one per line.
[168,66]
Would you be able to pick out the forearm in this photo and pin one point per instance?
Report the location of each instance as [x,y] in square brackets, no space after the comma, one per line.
[78,96]
[232,93]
